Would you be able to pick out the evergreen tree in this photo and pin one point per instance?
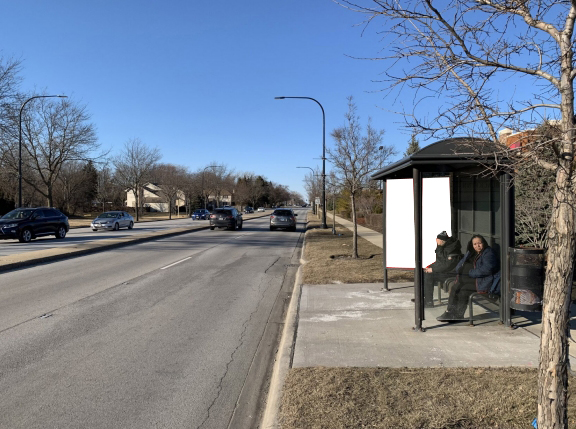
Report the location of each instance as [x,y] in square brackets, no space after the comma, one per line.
[413,146]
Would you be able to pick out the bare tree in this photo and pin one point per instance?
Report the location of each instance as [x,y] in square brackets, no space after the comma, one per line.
[313,185]
[355,158]
[53,133]
[170,179]
[458,55]
[134,166]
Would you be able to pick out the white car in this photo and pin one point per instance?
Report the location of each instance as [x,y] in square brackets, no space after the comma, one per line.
[113,220]
[261,209]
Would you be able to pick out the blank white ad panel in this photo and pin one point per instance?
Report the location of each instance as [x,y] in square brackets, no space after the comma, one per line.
[436,217]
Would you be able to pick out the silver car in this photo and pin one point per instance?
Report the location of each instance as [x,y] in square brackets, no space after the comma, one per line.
[283,218]
[113,220]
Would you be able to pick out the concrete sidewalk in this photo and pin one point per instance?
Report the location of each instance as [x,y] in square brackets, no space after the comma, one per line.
[361,325]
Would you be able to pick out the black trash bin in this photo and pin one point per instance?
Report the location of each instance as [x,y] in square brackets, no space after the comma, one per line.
[526,278]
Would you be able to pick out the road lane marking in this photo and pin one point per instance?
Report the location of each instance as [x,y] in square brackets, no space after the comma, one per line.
[171,265]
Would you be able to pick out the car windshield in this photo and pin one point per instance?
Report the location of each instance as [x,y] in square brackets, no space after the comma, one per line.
[199,211]
[108,215]
[18,214]
[282,213]
[223,211]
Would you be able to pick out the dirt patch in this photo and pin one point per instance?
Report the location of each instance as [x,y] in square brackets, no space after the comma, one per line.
[412,398]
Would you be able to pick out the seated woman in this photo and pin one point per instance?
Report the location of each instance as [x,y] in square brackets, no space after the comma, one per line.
[476,272]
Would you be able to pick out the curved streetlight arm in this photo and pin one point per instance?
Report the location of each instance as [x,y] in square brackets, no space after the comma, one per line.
[323,155]
[20,141]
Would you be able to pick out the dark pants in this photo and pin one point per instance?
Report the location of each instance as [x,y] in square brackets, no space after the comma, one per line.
[459,294]
[429,280]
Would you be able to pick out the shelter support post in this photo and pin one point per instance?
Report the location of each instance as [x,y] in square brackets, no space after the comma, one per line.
[384,262]
[508,233]
[418,287]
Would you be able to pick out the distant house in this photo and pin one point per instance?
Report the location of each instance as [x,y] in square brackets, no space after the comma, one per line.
[153,199]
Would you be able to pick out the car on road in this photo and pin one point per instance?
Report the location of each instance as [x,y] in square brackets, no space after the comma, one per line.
[113,220]
[200,214]
[261,209]
[26,224]
[248,210]
[283,218]
[226,218]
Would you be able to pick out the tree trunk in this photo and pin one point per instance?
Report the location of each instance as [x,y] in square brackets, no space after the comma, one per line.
[50,196]
[554,360]
[136,204]
[354,227]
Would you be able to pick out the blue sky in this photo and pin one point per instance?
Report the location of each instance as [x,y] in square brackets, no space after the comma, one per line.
[198,79]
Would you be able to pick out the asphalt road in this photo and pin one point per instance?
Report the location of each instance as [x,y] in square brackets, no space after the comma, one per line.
[85,235]
[174,333]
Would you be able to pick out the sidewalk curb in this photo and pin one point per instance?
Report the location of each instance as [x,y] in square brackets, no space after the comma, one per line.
[285,353]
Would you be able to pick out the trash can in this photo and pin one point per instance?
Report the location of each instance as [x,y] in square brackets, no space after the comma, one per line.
[526,278]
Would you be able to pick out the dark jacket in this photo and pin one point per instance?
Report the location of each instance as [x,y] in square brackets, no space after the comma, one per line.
[485,270]
[447,256]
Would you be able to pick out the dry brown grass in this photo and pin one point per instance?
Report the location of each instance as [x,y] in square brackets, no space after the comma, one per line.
[322,267]
[439,398]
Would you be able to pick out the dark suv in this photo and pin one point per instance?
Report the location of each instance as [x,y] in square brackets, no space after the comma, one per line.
[28,223]
[227,217]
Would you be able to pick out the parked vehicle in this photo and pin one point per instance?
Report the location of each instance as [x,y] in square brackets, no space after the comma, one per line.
[261,209]
[248,210]
[26,224]
[200,214]
[226,218]
[283,218]
[113,220]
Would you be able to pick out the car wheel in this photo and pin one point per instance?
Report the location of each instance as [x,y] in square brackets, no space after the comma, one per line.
[293,229]
[94,229]
[116,227]
[131,225]
[233,226]
[271,228]
[212,228]
[61,232]
[241,225]
[25,236]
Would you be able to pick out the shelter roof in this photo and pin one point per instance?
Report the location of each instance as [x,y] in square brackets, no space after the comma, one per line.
[444,156]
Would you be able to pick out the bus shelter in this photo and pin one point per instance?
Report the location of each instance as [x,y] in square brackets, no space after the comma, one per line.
[453,191]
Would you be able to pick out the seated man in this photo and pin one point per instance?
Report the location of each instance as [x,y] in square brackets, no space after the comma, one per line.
[448,253]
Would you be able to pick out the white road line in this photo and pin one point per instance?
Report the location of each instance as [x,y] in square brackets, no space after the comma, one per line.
[171,265]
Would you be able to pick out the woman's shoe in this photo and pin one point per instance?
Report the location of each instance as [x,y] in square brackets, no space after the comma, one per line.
[447,316]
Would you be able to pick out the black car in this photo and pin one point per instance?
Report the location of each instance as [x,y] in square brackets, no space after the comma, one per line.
[200,214]
[226,218]
[28,223]
[248,210]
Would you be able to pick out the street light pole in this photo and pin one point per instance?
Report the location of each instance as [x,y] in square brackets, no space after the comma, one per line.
[323,155]
[20,142]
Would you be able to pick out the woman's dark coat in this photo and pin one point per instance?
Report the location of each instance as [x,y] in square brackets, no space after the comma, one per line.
[486,270]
